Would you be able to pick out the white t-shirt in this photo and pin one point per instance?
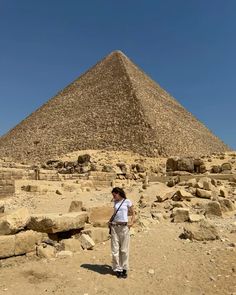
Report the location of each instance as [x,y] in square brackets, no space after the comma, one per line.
[122,214]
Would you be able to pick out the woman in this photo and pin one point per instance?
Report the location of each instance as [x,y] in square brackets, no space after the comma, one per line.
[120,232]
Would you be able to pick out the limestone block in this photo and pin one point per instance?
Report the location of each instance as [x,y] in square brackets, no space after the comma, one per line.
[86,242]
[216,169]
[212,209]
[172,164]
[98,234]
[7,187]
[73,245]
[181,214]
[46,251]
[53,222]
[192,182]
[102,176]
[182,195]
[186,164]
[13,222]
[7,246]
[226,166]
[26,242]
[75,206]
[227,205]
[200,231]
[223,192]
[201,193]
[195,217]
[166,196]
[100,215]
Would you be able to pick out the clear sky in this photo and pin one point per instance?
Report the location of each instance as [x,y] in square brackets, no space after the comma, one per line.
[187,46]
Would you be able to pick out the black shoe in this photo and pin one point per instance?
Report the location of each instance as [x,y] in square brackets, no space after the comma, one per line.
[118,274]
[124,274]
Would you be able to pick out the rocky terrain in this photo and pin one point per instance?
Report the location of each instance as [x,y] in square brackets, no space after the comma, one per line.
[53,224]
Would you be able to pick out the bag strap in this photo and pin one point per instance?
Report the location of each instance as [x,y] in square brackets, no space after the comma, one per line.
[114,215]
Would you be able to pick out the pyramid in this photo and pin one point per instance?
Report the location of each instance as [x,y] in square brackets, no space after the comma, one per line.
[113,106]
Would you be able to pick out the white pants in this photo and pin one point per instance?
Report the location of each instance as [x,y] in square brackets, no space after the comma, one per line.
[120,247]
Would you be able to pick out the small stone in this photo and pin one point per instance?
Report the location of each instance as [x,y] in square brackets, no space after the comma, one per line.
[86,242]
[151,271]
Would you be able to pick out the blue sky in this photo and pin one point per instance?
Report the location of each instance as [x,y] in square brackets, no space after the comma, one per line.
[187,46]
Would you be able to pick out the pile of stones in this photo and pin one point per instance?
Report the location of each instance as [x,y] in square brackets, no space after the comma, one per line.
[196,201]
[53,234]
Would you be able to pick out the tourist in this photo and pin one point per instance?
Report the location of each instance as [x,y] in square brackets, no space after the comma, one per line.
[119,230]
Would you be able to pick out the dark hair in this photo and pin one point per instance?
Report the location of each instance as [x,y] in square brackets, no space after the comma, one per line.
[120,191]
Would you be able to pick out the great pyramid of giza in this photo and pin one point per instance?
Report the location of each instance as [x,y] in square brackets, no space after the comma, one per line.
[113,106]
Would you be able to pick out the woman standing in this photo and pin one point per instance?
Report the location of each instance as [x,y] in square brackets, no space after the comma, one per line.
[120,232]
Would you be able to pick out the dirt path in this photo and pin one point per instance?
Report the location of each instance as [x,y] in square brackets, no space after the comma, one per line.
[180,267]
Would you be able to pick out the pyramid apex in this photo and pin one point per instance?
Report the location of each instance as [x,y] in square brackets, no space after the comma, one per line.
[117,52]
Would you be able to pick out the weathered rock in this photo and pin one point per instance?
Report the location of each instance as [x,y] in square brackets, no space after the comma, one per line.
[167,196]
[86,242]
[227,205]
[53,222]
[213,209]
[7,246]
[97,234]
[195,217]
[223,192]
[181,195]
[216,169]
[192,182]
[200,231]
[172,164]
[186,164]
[226,167]
[108,168]
[140,168]
[25,242]
[76,206]
[201,193]
[46,251]
[13,222]
[173,181]
[180,214]
[84,159]
[144,201]
[180,164]
[202,168]
[73,245]
[199,166]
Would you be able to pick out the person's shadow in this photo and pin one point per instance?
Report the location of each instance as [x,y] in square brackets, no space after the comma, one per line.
[103,269]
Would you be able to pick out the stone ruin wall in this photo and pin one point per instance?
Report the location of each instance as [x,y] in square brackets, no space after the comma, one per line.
[7,184]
